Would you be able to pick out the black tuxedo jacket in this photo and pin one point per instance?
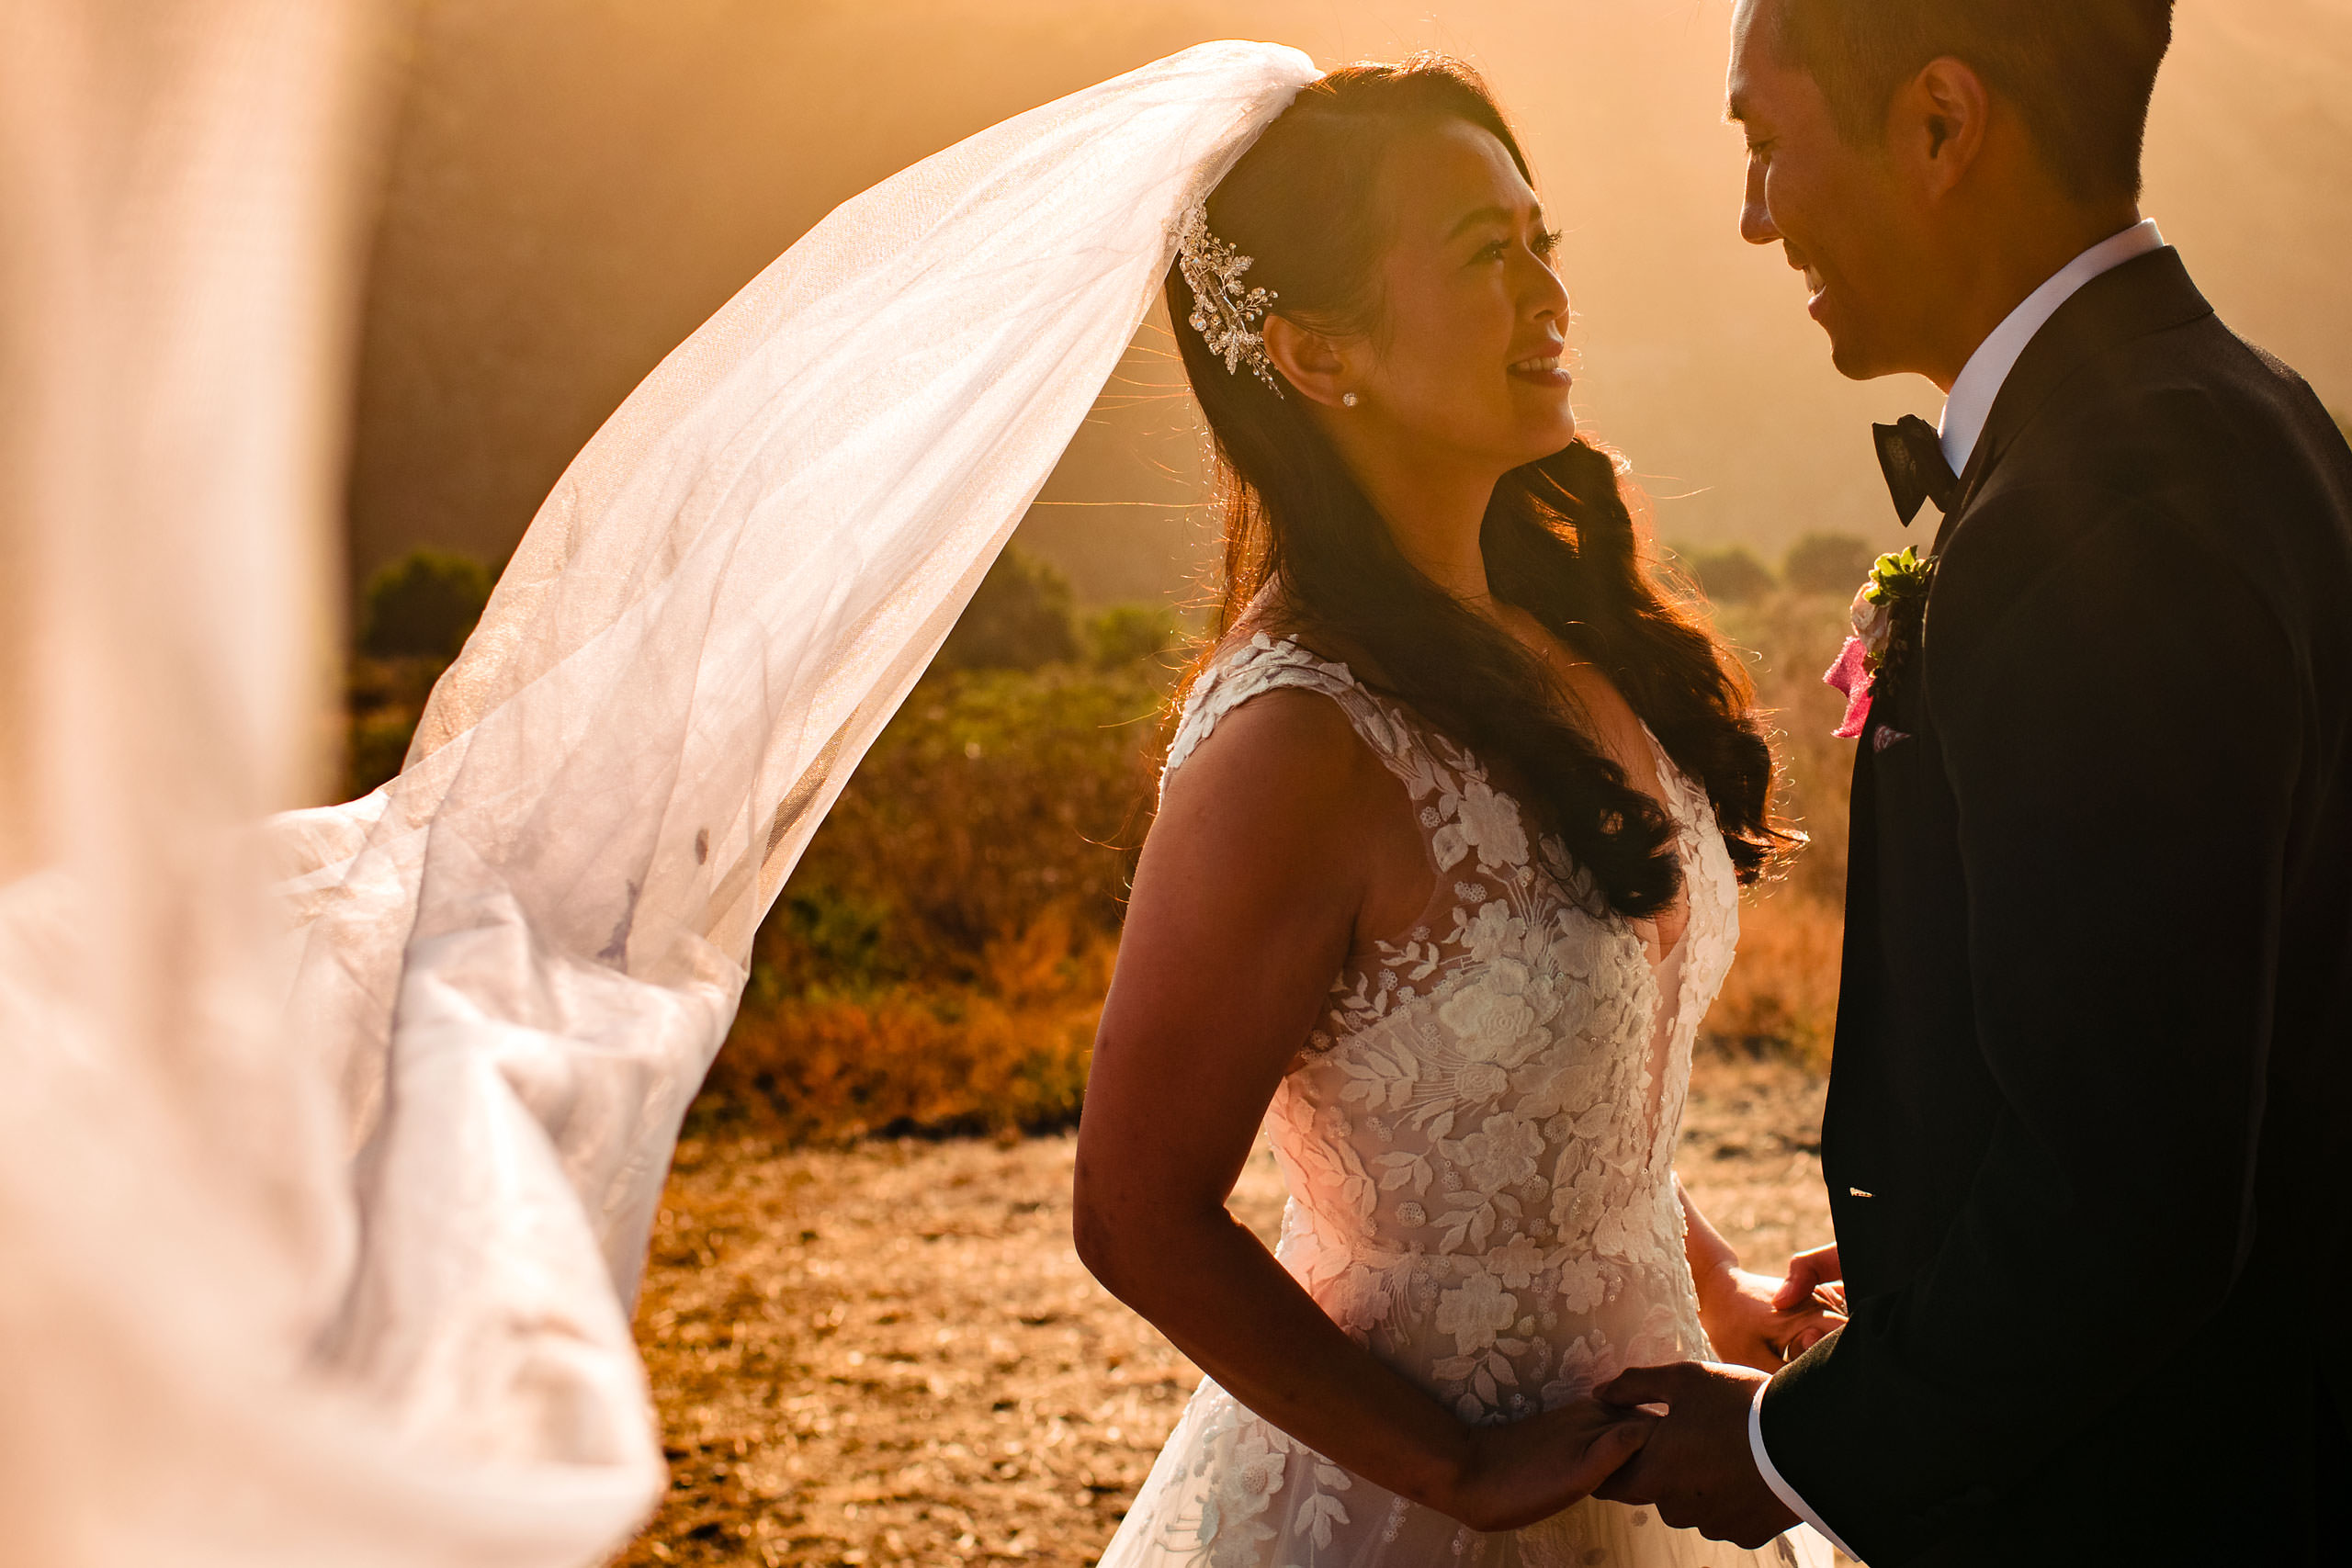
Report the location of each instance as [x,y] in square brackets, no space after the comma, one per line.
[2087,1131]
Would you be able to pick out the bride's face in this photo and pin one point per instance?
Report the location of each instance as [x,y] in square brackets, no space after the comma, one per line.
[1472,320]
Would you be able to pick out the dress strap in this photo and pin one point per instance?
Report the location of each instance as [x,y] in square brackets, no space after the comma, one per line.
[1263,664]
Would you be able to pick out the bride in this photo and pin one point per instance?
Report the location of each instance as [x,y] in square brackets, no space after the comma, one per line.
[381,1099]
[1443,878]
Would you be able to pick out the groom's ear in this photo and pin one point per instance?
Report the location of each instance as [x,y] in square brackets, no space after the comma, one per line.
[1318,366]
[1937,124]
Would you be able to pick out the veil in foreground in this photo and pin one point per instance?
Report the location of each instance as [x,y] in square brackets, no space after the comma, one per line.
[317,1244]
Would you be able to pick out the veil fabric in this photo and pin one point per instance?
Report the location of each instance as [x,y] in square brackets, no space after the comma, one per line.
[411,1157]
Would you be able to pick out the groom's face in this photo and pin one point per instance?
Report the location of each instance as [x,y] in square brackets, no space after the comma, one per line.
[1839,212]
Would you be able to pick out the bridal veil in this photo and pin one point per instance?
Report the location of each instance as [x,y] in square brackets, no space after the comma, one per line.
[318,1234]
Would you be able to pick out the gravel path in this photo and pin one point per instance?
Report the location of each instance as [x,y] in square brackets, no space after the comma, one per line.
[890,1354]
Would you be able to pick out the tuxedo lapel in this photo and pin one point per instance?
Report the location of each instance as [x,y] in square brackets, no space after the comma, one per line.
[2150,294]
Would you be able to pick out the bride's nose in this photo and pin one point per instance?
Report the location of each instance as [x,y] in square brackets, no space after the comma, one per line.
[1547,297]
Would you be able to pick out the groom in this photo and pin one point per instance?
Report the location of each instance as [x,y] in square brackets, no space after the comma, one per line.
[2087,1134]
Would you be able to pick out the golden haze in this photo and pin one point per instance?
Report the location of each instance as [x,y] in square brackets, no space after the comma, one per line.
[574,188]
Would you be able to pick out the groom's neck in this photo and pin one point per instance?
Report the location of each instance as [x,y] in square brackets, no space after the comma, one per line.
[1999,255]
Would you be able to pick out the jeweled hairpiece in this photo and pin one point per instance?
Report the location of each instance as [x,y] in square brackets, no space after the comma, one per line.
[1224,312]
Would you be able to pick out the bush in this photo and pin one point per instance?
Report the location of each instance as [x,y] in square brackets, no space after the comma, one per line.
[990,797]
[1019,619]
[937,961]
[378,742]
[1006,1050]
[414,618]
[1732,576]
[1127,635]
[423,606]
[1828,563]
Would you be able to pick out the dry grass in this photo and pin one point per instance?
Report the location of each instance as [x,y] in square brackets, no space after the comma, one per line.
[1783,989]
[889,1354]
[1007,1051]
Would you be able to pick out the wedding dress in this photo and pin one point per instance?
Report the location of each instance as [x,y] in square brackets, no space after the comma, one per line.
[1479,1145]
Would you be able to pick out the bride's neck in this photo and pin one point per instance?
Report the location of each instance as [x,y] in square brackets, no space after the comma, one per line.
[1437,520]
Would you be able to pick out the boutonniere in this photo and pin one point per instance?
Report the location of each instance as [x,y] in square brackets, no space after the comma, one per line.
[1887,613]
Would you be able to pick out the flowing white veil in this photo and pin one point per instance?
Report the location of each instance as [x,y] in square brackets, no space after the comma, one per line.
[408,1166]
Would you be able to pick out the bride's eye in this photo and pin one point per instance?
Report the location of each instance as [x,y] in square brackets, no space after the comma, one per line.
[1547,244]
[1493,252]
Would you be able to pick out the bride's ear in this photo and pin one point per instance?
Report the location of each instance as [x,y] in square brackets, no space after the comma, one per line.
[1319,366]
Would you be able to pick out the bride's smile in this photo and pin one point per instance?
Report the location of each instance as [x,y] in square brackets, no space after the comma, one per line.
[1465,285]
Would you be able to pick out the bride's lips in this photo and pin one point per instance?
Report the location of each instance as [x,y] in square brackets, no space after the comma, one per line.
[1544,370]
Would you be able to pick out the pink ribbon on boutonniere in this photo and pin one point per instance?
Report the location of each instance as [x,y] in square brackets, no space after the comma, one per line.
[1852,675]
[1893,579]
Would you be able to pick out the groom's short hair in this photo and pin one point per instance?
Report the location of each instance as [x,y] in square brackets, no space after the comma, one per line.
[2081,72]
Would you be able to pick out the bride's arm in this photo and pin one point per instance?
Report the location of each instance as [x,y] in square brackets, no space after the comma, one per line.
[1740,1311]
[1245,905]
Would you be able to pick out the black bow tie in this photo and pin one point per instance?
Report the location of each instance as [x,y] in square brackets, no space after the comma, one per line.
[1916,471]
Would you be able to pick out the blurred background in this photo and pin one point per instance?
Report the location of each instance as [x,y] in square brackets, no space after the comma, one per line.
[575,185]
[870,1344]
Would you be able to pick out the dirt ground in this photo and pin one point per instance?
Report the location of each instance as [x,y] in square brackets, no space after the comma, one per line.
[890,1354]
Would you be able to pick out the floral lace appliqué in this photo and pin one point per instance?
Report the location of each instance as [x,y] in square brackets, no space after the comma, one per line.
[1477,1136]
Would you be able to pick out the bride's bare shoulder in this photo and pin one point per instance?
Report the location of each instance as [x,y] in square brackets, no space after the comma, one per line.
[1280,743]
[1287,756]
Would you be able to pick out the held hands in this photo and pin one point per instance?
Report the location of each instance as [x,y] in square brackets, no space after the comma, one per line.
[1813,1277]
[1760,1322]
[1530,1470]
[1696,1467]
[1693,1464]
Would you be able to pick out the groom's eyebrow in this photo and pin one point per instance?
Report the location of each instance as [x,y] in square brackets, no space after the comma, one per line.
[1491,215]
[1736,110]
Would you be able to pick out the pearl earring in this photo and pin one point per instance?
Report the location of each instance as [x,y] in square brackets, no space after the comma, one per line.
[1350,401]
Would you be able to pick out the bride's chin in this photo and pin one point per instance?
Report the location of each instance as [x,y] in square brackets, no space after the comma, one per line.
[1556,435]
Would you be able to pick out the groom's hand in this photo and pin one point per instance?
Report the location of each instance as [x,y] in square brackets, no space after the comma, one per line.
[1696,1467]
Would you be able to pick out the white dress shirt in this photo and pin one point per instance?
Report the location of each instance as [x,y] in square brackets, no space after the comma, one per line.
[1969,403]
[1966,409]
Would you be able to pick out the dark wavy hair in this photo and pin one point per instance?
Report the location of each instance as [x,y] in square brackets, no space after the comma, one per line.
[1559,540]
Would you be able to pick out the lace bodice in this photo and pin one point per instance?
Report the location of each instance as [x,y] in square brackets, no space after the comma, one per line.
[1478,1140]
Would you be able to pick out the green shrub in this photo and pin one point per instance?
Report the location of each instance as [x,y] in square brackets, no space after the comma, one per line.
[937,960]
[1731,576]
[383,698]
[423,606]
[1828,563]
[1019,619]
[992,795]
[414,618]
[1126,634]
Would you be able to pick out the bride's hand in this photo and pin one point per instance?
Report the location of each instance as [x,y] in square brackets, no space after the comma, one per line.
[1811,1274]
[1530,1470]
[1745,1322]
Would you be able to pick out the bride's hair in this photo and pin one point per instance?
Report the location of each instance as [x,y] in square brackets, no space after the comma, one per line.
[1559,540]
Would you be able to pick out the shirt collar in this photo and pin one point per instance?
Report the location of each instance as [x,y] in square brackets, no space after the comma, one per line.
[1969,403]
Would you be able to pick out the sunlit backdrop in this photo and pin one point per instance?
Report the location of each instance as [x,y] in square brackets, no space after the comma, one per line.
[575,186]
